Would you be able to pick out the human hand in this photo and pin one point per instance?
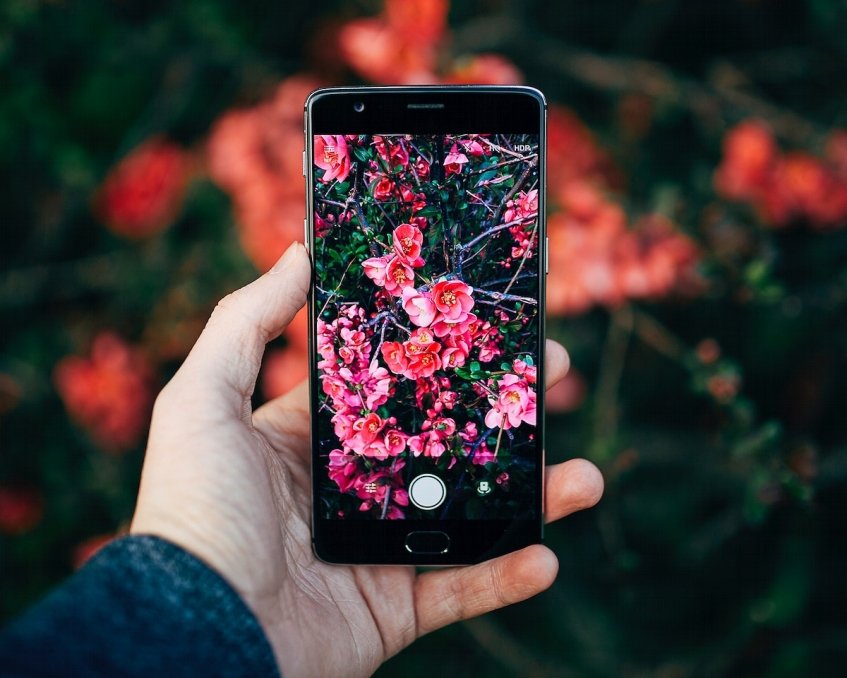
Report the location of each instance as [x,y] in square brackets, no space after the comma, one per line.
[233,487]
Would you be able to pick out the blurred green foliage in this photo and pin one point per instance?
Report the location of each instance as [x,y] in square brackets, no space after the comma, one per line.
[719,547]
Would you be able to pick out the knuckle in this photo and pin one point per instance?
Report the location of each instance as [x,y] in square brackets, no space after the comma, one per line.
[496,585]
[226,305]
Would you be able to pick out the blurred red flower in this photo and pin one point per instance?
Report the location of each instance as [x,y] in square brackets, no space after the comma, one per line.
[143,193]
[407,44]
[783,188]
[749,151]
[20,510]
[86,549]
[297,332]
[810,190]
[284,368]
[255,155]
[399,46]
[422,19]
[574,155]
[655,259]
[483,69]
[110,393]
[596,258]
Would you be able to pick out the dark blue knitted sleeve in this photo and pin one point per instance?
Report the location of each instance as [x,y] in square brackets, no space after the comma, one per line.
[141,607]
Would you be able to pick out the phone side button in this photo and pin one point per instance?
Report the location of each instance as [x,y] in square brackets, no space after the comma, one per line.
[546,255]
[304,163]
[306,232]
[427,542]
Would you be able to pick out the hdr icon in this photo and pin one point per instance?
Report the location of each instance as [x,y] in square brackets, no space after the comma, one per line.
[523,148]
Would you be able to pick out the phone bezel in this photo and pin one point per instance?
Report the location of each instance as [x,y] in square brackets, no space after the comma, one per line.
[434,110]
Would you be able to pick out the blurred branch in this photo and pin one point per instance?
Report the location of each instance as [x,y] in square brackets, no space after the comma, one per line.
[608,382]
[657,336]
[499,296]
[626,74]
[618,75]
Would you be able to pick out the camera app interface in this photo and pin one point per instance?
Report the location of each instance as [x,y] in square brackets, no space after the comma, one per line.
[426,304]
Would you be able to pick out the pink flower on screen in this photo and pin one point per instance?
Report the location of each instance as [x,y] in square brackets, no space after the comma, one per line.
[424,363]
[342,469]
[383,189]
[442,326]
[453,299]
[456,350]
[408,241]
[442,427]
[331,155]
[422,168]
[420,341]
[455,161]
[394,153]
[514,405]
[372,386]
[420,307]
[343,425]
[395,357]
[395,442]
[524,207]
[375,269]
[367,429]
[399,275]
[528,372]
[417,201]
[473,148]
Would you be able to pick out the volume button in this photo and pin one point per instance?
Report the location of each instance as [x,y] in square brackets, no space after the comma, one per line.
[546,255]
[304,163]
[306,232]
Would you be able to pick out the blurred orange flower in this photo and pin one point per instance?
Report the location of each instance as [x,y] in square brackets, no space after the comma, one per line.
[784,188]
[749,151]
[110,393]
[20,510]
[255,154]
[143,193]
[596,258]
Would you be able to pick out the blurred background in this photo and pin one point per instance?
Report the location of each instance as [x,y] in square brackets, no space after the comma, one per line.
[150,163]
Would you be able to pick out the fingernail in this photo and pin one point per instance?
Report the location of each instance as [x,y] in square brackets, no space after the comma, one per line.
[284,260]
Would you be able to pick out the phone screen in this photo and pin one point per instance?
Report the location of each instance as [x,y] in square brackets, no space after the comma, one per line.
[426,304]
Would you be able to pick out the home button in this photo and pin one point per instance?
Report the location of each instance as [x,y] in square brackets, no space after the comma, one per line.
[429,543]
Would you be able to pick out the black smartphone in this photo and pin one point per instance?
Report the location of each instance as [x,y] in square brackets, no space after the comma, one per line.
[427,234]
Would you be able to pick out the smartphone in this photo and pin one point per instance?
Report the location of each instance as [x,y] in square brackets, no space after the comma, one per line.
[427,235]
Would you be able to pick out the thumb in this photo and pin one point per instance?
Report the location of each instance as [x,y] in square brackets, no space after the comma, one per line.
[226,359]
